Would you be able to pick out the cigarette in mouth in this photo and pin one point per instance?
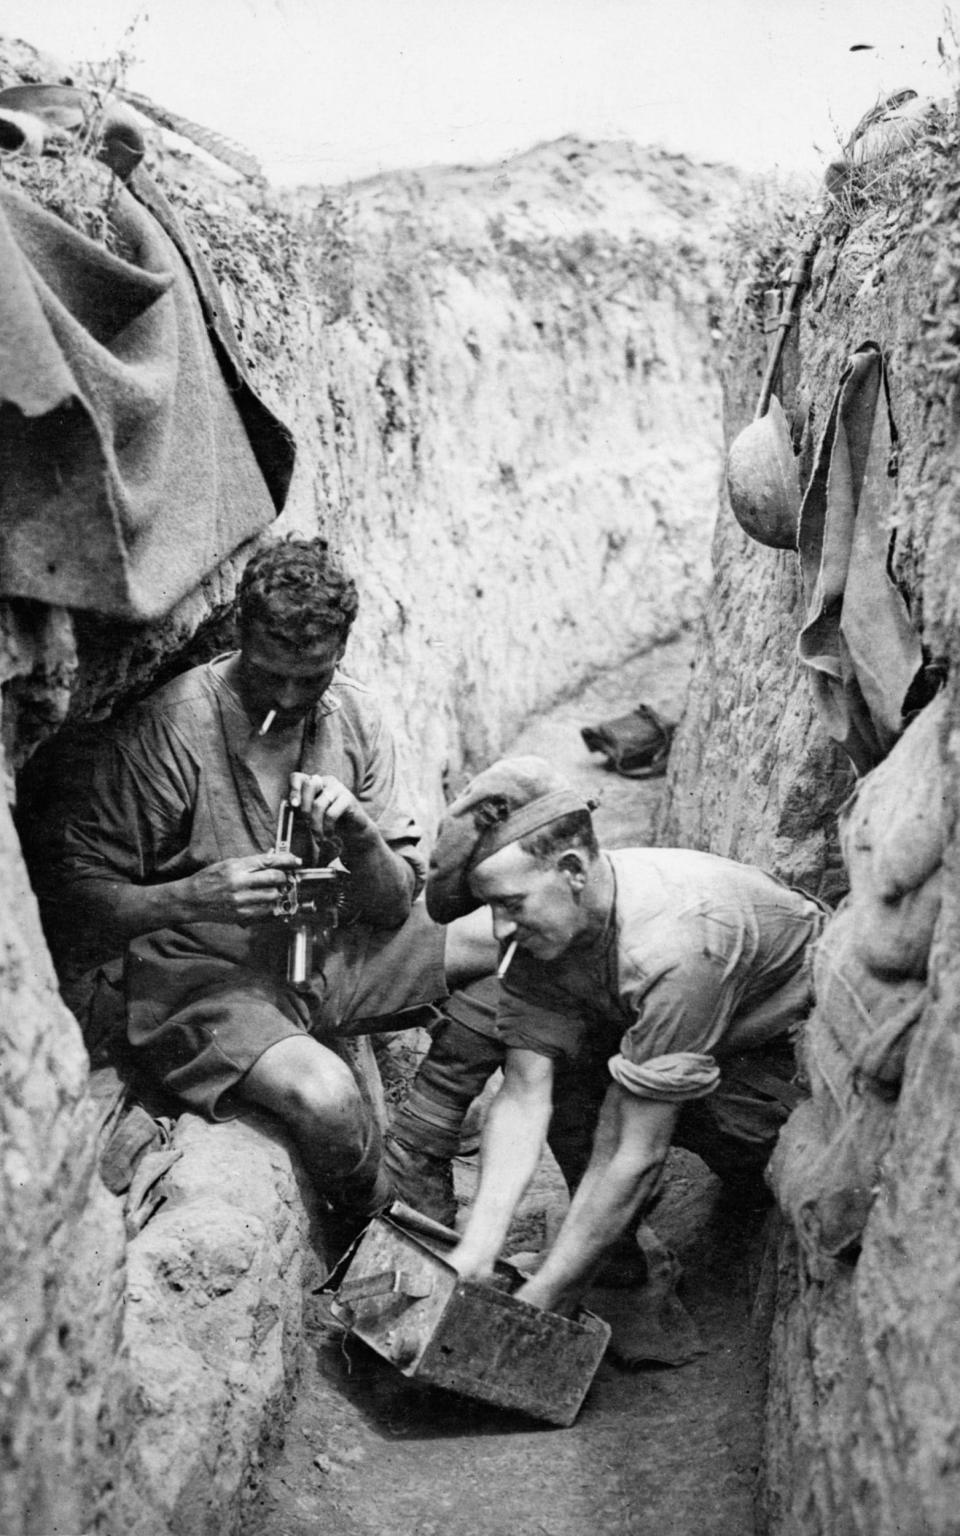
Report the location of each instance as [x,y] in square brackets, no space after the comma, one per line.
[268,720]
[508,955]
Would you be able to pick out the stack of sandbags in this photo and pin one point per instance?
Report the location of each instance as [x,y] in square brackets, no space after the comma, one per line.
[826,1164]
[869,978]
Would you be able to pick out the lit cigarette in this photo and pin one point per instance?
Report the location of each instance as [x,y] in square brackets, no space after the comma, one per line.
[504,965]
[268,720]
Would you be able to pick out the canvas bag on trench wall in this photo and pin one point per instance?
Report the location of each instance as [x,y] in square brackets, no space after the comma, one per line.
[858,644]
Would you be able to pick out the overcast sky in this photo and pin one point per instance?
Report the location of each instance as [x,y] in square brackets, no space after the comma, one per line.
[325,90]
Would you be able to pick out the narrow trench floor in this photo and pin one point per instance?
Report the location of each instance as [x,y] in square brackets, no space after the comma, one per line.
[665,1451]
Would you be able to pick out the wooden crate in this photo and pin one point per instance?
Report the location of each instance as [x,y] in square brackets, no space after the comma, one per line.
[401,1297]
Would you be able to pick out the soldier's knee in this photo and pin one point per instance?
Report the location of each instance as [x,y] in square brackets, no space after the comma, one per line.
[325,1100]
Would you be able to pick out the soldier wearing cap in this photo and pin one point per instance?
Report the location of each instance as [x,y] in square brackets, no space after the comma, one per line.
[651,1000]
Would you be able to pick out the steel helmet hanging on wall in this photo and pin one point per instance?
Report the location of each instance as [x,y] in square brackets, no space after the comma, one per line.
[762,480]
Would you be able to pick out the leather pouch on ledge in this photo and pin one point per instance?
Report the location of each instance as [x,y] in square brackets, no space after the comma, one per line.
[636,745]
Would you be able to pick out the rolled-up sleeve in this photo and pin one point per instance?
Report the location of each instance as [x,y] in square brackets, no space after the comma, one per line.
[682,1010]
[670,1079]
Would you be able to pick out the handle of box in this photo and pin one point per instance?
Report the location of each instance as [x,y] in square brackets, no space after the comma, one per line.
[414,1221]
[385,1282]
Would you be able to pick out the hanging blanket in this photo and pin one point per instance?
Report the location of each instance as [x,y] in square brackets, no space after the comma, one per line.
[858,643]
[134,454]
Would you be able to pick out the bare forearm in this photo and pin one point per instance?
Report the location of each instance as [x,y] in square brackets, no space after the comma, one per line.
[513,1139]
[126,911]
[606,1201]
[381,882]
[236,891]
[630,1145]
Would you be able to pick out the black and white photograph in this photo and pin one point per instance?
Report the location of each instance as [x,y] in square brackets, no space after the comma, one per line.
[480,900]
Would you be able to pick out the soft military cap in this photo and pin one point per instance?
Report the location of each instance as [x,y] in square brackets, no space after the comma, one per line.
[507,801]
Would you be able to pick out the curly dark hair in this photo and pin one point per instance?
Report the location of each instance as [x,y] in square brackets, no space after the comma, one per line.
[298,593]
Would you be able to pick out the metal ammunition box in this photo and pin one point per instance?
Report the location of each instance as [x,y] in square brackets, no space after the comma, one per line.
[401,1297]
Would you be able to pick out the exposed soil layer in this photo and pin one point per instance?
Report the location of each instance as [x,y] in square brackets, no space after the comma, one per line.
[369,1453]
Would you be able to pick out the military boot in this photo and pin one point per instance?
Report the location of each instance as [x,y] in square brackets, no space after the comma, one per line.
[421,1179]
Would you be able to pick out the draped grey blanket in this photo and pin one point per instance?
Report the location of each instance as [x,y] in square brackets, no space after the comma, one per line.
[134,454]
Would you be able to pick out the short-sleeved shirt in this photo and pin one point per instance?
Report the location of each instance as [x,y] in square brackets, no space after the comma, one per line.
[172,792]
[701,959]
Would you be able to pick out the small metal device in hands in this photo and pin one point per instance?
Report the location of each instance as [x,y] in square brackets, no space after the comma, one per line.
[310,902]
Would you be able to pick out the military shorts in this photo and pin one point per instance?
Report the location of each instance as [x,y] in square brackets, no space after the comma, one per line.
[199,1041]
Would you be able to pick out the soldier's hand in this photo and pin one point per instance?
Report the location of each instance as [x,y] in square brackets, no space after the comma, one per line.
[329,804]
[470,1265]
[243,890]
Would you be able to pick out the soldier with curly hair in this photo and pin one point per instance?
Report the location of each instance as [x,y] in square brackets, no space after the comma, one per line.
[171,859]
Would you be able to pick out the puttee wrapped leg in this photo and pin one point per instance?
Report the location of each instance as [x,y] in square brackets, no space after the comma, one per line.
[424,1135]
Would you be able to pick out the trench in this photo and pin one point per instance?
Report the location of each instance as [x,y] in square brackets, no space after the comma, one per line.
[676,1450]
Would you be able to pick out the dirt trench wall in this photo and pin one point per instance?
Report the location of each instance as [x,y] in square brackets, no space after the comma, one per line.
[63,1251]
[503,389]
[504,393]
[505,396]
[864,1395]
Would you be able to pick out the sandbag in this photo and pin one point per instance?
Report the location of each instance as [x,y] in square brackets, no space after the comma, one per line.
[894,937]
[825,1182]
[853,1008]
[893,828]
[826,1166]
[893,833]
